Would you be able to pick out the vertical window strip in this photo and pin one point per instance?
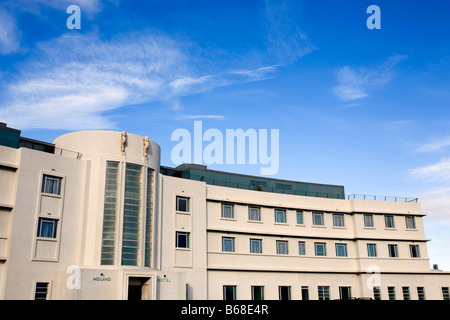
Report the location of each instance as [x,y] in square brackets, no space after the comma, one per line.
[109,213]
[149,219]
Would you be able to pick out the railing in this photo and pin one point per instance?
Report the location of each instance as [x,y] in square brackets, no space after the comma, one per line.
[68,153]
[381,198]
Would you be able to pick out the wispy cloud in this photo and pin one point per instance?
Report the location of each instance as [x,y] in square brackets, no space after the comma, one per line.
[434,146]
[204,116]
[435,172]
[436,204]
[355,84]
[10,35]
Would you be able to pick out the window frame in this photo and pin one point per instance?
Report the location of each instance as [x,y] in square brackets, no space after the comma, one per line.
[177,239]
[227,205]
[299,213]
[301,248]
[316,245]
[45,178]
[414,250]
[393,254]
[280,213]
[391,224]
[54,228]
[278,247]
[322,220]
[338,223]
[259,241]
[261,288]
[281,293]
[342,245]
[225,293]
[323,292]
[374,246]
[369,217]
[178,198]
[412,220]
[232,241]
[258,213]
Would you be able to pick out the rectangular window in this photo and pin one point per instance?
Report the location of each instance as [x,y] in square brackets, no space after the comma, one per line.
[410,222]
[229,292]
[227,244]
[305,293]
[414,251]
[391,293]
[255,246]
[41,291]
[338,220]
[51,184]
[47,228]
[345,293]
[182,204]
[406,295]
[257,292]
[254,213]
[389,221]
[371,250]
[324,292]
[182,239]
[149,219]
[299,217]
[280,216]
[445,293]
[282,247]
[393,253]
[284,292]
[109,213]
[376,293]
[320,248]
[301,248]
[341,250]
[317,218]
[227,211]
[368,220]
[131,238]
[421,293]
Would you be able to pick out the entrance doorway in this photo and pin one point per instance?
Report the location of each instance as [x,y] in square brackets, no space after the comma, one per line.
[345,293]
[139,288]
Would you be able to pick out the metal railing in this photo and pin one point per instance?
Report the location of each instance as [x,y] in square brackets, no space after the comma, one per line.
[381,198]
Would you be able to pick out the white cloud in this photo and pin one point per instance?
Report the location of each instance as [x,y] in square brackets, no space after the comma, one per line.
[354,84]
[436,204]
[205,116]
[10,35]
[436,172]
[434,146]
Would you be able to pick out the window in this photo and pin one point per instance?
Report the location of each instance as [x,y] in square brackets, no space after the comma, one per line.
[284,292]
[368,220]
[414,251]
[324,292]
[305,293]
[301,248]
[280,216]
[317,218]
[376,293]
[41,291]
[47,228]
[227,244]
[182,239]
[345,293]
[406,295]
[149,219]
[282,247]
[392,250]
[338,220]
[229,292]
[389,221]
[257,292]
[254,214]
[51,184]
[410,222]
[255,246]
[421,293]
[182,204]
[227,211]
[320,248]
[445,293]
[371,250]
[299,217]
[341,250]
[391,293]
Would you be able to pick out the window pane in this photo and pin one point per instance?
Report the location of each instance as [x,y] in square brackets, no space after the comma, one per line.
[255,246]
[227,244]
[318,219]
[371,250]
[410,222]
[280,216]
[414,250]
[182,204]
[368,220]
[391,293]
[338,220]
[254,214]
[51,184]
[324,292]
[182,239]
[341,250]
[301,248]
[149,219]
[392,250]
[257,293]
[229,292]
[41,291]
[284,292]
[299,217]
[320,249]
[445,293]
[305,293]
[406,295]
[282,247]
[47,228]
[227,211]
[421,293]
[389,221]
[376,293]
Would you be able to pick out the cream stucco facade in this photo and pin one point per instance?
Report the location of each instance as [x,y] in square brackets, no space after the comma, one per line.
[96,218]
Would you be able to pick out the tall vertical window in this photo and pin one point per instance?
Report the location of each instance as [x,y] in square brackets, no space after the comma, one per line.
[368,220]
[371,250]
[301,248]
[341,250]
[255,246]
[445,293]
[338,220]
[393,251]
[284,292]
[406,295]
[227,244]
[299,217]
[391,293]
[227,211]
[51,184]
[414,251]
[282,247]
[182,240]
[47,228]
[149,219]
[229,292]
[317,218]
[376,293]
[389,221]
[410,222]
[109,213]
[41,291]
[257,292]
[280,216]
[421,293]
[305,292]
[182,204]
[345,293]
[320,249]
[131,215]
[324,292]
[254,214]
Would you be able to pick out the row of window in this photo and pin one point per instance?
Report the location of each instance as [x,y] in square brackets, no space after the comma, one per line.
[254,214]
[323,293]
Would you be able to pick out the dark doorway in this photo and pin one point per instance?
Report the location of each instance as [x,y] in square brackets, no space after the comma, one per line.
[135,292]
[139,288]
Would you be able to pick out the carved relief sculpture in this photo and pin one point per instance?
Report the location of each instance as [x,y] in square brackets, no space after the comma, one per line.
[123,140]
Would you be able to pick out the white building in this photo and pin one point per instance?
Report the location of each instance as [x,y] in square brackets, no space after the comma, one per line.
[94,216]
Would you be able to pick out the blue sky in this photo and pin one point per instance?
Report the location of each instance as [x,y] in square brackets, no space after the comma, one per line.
[367,109]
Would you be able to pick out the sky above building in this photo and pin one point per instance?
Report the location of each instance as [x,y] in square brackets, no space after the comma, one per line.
[364,108]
